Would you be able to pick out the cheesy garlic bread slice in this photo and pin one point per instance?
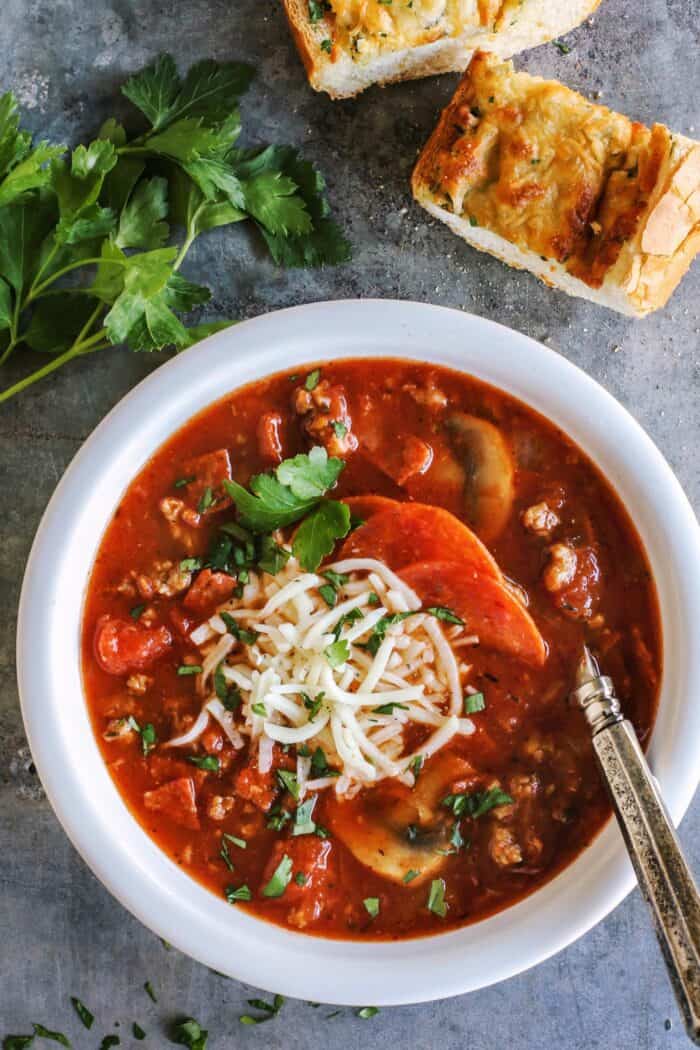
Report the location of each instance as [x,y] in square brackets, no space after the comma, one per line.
[589,201]
[347,45]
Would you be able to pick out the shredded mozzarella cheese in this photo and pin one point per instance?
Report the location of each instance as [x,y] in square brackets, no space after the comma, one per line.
[398,683]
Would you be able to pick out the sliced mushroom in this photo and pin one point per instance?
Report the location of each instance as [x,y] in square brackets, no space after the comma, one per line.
[488,466]
[394,830]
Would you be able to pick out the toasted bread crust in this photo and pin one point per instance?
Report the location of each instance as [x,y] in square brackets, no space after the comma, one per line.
[613,216]
[337,72]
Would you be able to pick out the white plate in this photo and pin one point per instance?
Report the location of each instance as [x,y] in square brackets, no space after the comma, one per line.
[86,801]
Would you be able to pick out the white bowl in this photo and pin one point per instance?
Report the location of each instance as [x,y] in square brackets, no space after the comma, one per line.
[86,801]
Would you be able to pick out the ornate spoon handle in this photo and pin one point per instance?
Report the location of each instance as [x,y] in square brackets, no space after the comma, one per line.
[664,878]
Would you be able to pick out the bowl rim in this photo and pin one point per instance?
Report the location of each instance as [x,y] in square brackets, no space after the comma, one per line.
[76,781]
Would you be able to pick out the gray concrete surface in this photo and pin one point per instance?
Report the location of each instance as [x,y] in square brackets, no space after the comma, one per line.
[61,934]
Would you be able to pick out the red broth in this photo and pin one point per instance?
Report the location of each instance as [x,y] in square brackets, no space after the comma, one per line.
[528,742]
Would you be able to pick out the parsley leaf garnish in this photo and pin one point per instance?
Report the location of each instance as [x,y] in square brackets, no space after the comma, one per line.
[108,207]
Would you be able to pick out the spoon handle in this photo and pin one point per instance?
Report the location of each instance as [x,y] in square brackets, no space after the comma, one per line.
[662,872]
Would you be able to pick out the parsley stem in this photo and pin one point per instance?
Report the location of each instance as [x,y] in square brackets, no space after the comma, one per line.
[98,341]
[8,350]
[37,289]
[89,323]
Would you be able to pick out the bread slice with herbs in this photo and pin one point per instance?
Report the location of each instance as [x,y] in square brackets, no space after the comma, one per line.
[588,200]
[348,45]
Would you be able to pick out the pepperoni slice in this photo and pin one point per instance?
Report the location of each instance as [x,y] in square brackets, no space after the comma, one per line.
[416,532]
[486,605]
[122,647]
[365,507]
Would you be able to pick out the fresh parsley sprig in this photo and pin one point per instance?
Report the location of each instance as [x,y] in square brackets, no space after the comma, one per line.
[88,259]
[296,491]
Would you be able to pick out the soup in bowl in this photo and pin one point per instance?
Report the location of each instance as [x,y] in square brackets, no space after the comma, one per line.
[309,603]
[329,638]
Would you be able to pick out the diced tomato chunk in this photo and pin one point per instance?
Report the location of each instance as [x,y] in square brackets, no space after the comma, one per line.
[269,439]
[261,788]
[209,590]
[319,893]
[415,532]
[206,493]
[488,608]
[176,800]
[256,787]
[122,647]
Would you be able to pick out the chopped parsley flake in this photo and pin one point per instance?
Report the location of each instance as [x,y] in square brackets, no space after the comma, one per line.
[473,703]
[410,876]
[415,766]
[365,1012]
[476,803]
[148,988]
[238,632]
[149,738]
[337,653]
[441,612]
[303,824]
[312,379]
[82,1011]
[240,893]
[135,613]
[138,1031]
[210,763]
[562,47]
[190,564]
[388,709]
[188,669]
[190,1034]
[182,482]
[207,500]
[280,879]
[109,1041]
[241,843]
[371,906]
[329,594]
[289,781]
[46,1033]
[436,898]
[269,1010]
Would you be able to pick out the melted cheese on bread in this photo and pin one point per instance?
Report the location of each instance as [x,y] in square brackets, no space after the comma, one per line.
[531,163]
[366,27]
[347,45]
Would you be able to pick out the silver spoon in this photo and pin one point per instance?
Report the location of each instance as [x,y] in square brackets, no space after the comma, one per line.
[662,872]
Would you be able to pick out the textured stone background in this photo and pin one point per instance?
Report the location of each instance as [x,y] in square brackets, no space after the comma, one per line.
[61,934]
